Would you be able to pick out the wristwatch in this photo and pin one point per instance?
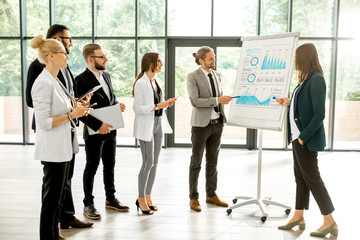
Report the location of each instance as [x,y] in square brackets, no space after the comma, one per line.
[156,107]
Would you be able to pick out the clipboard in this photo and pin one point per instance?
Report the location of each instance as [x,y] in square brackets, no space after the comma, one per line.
[94,89]
[111,115]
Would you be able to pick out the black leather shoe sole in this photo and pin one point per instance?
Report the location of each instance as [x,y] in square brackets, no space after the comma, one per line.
[117,209]
[83,225]
[92,217]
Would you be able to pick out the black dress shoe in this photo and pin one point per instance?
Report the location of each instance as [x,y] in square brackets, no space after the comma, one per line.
[91,212]
[76,223]
[116,205]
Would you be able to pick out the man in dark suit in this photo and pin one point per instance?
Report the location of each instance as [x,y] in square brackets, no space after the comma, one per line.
[62,34]
[207,121]
[103,144]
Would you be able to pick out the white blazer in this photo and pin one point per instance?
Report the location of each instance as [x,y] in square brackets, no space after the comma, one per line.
[49,100]
[143,106]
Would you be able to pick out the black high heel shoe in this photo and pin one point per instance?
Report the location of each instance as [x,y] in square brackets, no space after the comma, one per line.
[154,208]
[148,212]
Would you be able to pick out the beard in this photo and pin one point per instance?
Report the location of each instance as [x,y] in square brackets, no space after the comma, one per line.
[99,66]
[67,49]
[211,66]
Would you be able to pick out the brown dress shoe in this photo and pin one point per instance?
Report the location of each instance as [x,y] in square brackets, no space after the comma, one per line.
[195,205]
[76,223]
[217,201]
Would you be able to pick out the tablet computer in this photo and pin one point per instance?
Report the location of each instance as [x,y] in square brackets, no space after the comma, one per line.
[94,89]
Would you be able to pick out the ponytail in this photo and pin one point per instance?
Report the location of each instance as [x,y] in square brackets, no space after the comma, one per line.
[137,78]
[196,59]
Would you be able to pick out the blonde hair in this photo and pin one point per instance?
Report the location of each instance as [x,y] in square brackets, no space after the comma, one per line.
[201,53]
[307,62]
[148,61]
[45,47]
[89,49]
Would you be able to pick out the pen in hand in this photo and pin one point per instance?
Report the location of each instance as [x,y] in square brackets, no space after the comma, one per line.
[92,105]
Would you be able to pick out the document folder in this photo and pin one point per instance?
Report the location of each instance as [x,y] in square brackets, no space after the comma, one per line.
[111,115]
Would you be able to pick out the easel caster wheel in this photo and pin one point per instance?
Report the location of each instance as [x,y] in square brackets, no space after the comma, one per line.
[287,211]
[234,200]
[229,211]
[263,219]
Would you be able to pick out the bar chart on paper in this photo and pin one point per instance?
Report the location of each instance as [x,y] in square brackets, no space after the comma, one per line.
[270,63]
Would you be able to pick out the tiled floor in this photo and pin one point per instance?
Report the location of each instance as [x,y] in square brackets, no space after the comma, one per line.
[20,182]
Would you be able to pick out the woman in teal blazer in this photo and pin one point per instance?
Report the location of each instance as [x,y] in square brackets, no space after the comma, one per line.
[307,134]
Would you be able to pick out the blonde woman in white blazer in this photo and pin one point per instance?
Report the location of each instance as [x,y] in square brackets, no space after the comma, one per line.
[149,126]
[53,145]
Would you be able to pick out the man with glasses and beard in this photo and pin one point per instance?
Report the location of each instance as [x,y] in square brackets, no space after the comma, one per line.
[62,34]
[103,144]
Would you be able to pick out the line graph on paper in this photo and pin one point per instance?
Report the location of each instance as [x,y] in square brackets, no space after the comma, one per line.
[257,96]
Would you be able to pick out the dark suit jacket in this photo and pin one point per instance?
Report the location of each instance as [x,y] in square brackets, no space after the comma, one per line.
[309,112]
[34,71]
[83,83]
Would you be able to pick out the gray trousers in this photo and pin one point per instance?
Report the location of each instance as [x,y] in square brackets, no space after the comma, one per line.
[150,152]
[202,138]
[307,177]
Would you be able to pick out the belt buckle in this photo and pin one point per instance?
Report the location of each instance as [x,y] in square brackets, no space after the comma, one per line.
[214,121]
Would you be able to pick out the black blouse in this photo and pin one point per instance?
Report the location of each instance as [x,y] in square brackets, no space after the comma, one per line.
[157,98]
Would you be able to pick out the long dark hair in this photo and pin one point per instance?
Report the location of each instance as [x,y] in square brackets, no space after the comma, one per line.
[307,62]
[149,60]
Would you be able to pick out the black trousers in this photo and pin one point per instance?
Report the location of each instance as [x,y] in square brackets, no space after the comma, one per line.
[308,179]
[202,138]
[96,147]
[53,189]
[68,210]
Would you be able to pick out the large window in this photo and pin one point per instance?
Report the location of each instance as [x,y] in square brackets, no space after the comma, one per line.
[115,18]
[234,18]
[76,15]
[152,18]
[129,28]
[313,18]
[37,17]
[347,108]
[10,92]
[189,18]
[274,17]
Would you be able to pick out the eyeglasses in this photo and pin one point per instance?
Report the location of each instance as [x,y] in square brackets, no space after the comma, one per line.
[65,54]
[70,38]
[103,56]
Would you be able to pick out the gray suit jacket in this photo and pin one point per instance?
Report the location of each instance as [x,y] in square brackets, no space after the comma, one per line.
[201,99]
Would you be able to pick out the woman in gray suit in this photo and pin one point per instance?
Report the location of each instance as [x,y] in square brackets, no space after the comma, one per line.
[307,134]
[53,145]
[150,124]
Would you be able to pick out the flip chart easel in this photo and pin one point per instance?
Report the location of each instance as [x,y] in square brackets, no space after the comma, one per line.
[258,200]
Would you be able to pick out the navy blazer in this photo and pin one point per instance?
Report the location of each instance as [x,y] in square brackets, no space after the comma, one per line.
[309,112]
[83,83]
